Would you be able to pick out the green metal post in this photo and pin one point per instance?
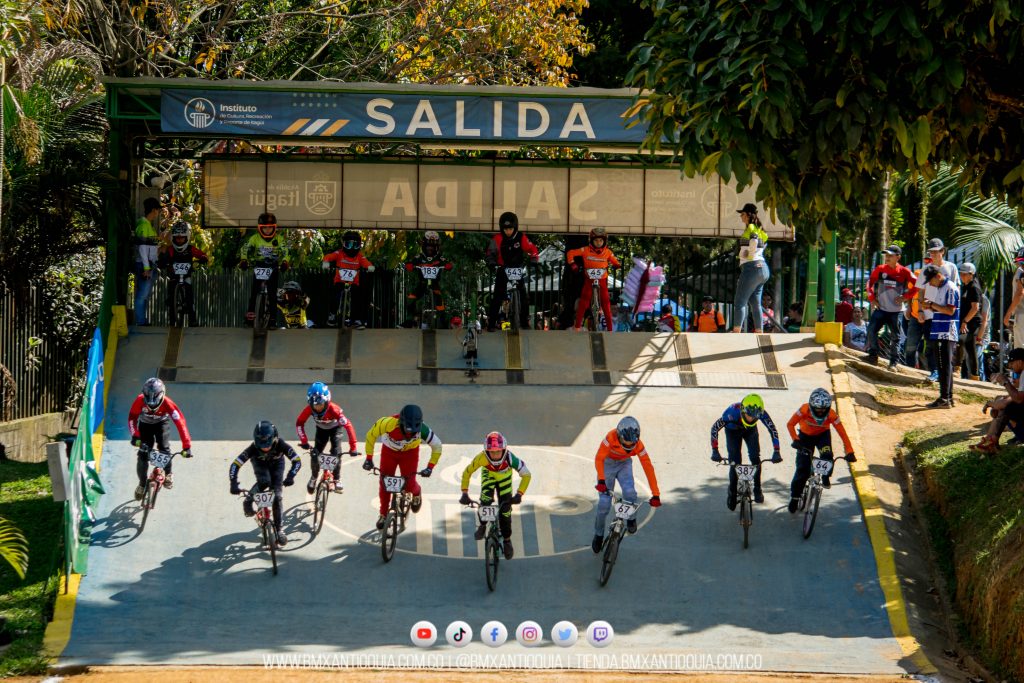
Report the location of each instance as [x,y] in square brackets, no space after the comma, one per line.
[828,280]
[811,297]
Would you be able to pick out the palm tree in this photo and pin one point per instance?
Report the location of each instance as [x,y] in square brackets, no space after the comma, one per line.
[13,547]
[994,227]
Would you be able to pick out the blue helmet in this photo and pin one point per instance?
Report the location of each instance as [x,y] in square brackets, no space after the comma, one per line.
[318,393]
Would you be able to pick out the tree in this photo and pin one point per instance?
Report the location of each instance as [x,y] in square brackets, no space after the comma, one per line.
[819,99]
[13,547]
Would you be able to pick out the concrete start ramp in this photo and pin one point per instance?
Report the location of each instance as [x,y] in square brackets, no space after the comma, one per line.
[232,355]
[194,587]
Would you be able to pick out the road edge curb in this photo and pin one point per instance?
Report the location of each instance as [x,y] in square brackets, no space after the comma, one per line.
[874,520]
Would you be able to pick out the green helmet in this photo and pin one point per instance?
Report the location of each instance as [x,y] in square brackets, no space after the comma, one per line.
[753,405]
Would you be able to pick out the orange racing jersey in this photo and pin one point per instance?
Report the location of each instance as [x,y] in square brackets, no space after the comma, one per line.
[611,448]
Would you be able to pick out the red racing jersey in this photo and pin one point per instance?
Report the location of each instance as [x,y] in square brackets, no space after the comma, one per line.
[332,417]
[140,412]
[343,262]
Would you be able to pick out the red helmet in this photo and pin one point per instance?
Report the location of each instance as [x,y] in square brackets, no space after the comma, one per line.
[495,442]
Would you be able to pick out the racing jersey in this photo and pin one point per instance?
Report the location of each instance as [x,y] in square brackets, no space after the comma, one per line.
[424,260]
[803,419]
[343,261]
[592,259]
[259,250]
[611,448]
[279,450]
[499,474]
[167,410]
[331,418]
[389,431]
[170,256]
[510,251]
[732,418]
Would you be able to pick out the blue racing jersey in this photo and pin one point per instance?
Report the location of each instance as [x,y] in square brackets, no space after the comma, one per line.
[732,418]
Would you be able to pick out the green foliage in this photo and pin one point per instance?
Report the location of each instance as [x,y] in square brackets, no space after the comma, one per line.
[26,501]
[819,99]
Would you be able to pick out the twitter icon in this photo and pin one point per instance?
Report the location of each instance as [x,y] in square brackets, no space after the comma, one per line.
[565,634]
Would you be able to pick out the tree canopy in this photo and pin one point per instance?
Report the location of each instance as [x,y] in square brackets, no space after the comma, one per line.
[818,99]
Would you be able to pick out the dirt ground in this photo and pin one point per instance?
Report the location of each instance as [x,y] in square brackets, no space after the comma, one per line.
[884,416]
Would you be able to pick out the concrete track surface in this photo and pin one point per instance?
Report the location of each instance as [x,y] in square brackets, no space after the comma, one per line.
[195,588]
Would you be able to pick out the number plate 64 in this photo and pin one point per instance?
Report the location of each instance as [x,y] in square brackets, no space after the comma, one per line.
[822,466]
[394,484]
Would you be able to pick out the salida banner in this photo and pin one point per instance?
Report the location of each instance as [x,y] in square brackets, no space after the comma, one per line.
[624,199]
[440,117]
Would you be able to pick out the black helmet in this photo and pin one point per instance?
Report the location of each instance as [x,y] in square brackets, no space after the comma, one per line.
[290,291]
[509,220]
[153,392]
[351,243]
[431,243]
[265,434]
[411,419]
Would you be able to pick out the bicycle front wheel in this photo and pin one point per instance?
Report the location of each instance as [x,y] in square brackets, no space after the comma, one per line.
[181,310]
[320,506]
[271,535]
[611,553]
[148,502]
[513,310]
[262,319]
[389,536]
[595,309]
[811,513]
[491,561]
[746,519]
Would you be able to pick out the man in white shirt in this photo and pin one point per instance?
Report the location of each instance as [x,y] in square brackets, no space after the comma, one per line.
[936,251]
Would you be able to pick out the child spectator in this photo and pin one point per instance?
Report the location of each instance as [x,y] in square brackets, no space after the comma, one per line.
[855,334]
[942,299]
[794,317]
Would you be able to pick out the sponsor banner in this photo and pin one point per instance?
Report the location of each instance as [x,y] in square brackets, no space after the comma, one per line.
[434,117]
[623,199]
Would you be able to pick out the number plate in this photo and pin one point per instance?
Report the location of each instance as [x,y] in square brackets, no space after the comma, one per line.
[394,484]
[595,273]
[263,499]
[746,472]
[429,272]
[822,466]
[347,274]
[182,268]
[624,510]
[514,274]
[263,273]
[328,462]
[158,459]
[488,513]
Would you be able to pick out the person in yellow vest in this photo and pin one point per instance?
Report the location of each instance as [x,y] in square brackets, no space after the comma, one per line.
[754,271]
[147,241]
[709,318]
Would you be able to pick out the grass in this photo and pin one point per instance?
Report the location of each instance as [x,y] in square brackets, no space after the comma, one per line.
[976,515]
[26,500]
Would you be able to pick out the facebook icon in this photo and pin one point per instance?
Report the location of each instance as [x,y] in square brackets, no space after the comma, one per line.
[494,634]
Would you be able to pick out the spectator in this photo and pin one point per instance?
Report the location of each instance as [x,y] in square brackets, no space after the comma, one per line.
[890,285]
[794,317]
[1007,410]
[970,321]
[915,330]
[855,334]
[942,299]
[767,313]
[146,240]
[1016,308]
[709,319]
[936,250]
[669,322]
[984,335]
[753,269]
[844,309]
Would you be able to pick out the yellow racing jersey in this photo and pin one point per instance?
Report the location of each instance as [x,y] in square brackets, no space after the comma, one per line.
[502,474]
[388,430]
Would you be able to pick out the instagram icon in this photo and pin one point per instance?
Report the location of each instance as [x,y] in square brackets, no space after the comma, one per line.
[529,634]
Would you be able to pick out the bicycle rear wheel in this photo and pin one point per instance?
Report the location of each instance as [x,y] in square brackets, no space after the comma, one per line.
[746,518]
[320,506]
[803,497]
[595,309]
[491,561]
[262,319]
[611,553]
[811,513]
[389,536]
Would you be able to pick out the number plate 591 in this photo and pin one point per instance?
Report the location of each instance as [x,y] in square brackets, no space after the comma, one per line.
[394,484]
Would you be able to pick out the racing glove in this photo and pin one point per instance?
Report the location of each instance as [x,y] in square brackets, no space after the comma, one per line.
[517,499]
[289,480]
[186,453]
[850,457]
[304,445]
[716,456]
[243,264]
[655,501]
[368,464]
[427,471]
[776,457]
[464,500]
[795,445]
[601,488]
[136,442]
[235,490]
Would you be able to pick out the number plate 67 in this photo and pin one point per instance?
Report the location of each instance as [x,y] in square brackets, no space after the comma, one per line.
[394,484]
[624,510]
